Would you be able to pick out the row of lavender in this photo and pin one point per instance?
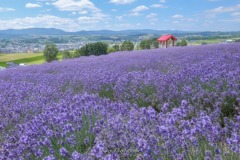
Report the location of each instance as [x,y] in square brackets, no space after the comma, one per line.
[59,110]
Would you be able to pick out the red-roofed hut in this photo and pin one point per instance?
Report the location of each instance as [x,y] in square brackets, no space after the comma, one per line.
[166,40]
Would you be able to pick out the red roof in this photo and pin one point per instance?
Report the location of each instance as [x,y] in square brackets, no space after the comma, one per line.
[166,38]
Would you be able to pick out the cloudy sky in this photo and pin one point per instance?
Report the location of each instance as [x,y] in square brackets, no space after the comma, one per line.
[76,15]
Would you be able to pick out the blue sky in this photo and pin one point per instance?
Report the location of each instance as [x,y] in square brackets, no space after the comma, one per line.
[76,15]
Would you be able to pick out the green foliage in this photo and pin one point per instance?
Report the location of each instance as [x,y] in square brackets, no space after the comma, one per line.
[50,52]
[237,40]
[127,46]
[66,55]
[149,43]
[145,44]
[81,136]
[182,43]
[98,48]
[116,47]
[228,108]
[107,92]
[77,53]
[204,43]
[154,43]
[111,49]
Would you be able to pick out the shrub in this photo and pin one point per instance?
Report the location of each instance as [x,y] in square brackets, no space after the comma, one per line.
[145,44]
[127,46]
[149,43]
[182,43]
[116,47]
[66,55]
[111,49]
[50,52]
[237,40]
[97,48]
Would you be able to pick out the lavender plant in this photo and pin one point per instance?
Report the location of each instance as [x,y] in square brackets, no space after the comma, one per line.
[179,103]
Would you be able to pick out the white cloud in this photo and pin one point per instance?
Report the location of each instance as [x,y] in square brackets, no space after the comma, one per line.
[86,7]
[32,5]
[140,8]
[50,21]
[136,11]
[98,17]
[6,9]
[83,12]
[39,21]
[158,6]
[220,10]
[122,1]
[177,16]
[175,22]
[72,5]
[162,1]
[119,18]
[151,15]
[235,14]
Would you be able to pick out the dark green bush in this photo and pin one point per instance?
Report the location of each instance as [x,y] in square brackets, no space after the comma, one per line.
[183,42]
[50,52]
[127,46]
[98,48]
[116,47]
[149,43]
[66,55]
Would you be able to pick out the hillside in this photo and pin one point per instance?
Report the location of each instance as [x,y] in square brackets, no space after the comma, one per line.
[150,104]
[53,31]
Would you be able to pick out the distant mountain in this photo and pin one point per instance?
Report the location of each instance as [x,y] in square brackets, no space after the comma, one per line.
[105,33]
[53,31]
[125,32]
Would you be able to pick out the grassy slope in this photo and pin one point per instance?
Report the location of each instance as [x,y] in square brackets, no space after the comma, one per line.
[27,58]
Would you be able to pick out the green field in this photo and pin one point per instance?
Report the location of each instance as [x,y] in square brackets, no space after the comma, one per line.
[26,58]
[210,41]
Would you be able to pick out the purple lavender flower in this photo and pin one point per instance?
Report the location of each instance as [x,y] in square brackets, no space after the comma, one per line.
[208,155]
[76,155]
[64,152]
[50,157]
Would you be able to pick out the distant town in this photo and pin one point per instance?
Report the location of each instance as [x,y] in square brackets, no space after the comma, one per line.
[16,46]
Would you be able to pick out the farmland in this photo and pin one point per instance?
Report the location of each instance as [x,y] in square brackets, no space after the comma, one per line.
[26,58]
[175,103]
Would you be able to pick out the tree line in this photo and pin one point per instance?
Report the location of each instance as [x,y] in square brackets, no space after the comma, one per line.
[100,48]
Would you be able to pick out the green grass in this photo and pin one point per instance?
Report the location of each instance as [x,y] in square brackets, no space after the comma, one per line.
[210,41]
[27,58]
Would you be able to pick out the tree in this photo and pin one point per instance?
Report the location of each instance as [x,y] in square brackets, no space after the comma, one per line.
[149,43]
[50,52]
[111,49]
[116,47]
[154,43]
[127,46]
[182,43]
[66,55]
[145,44]
[97,48]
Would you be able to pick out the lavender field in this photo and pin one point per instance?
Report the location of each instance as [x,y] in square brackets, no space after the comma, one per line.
[163,104]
